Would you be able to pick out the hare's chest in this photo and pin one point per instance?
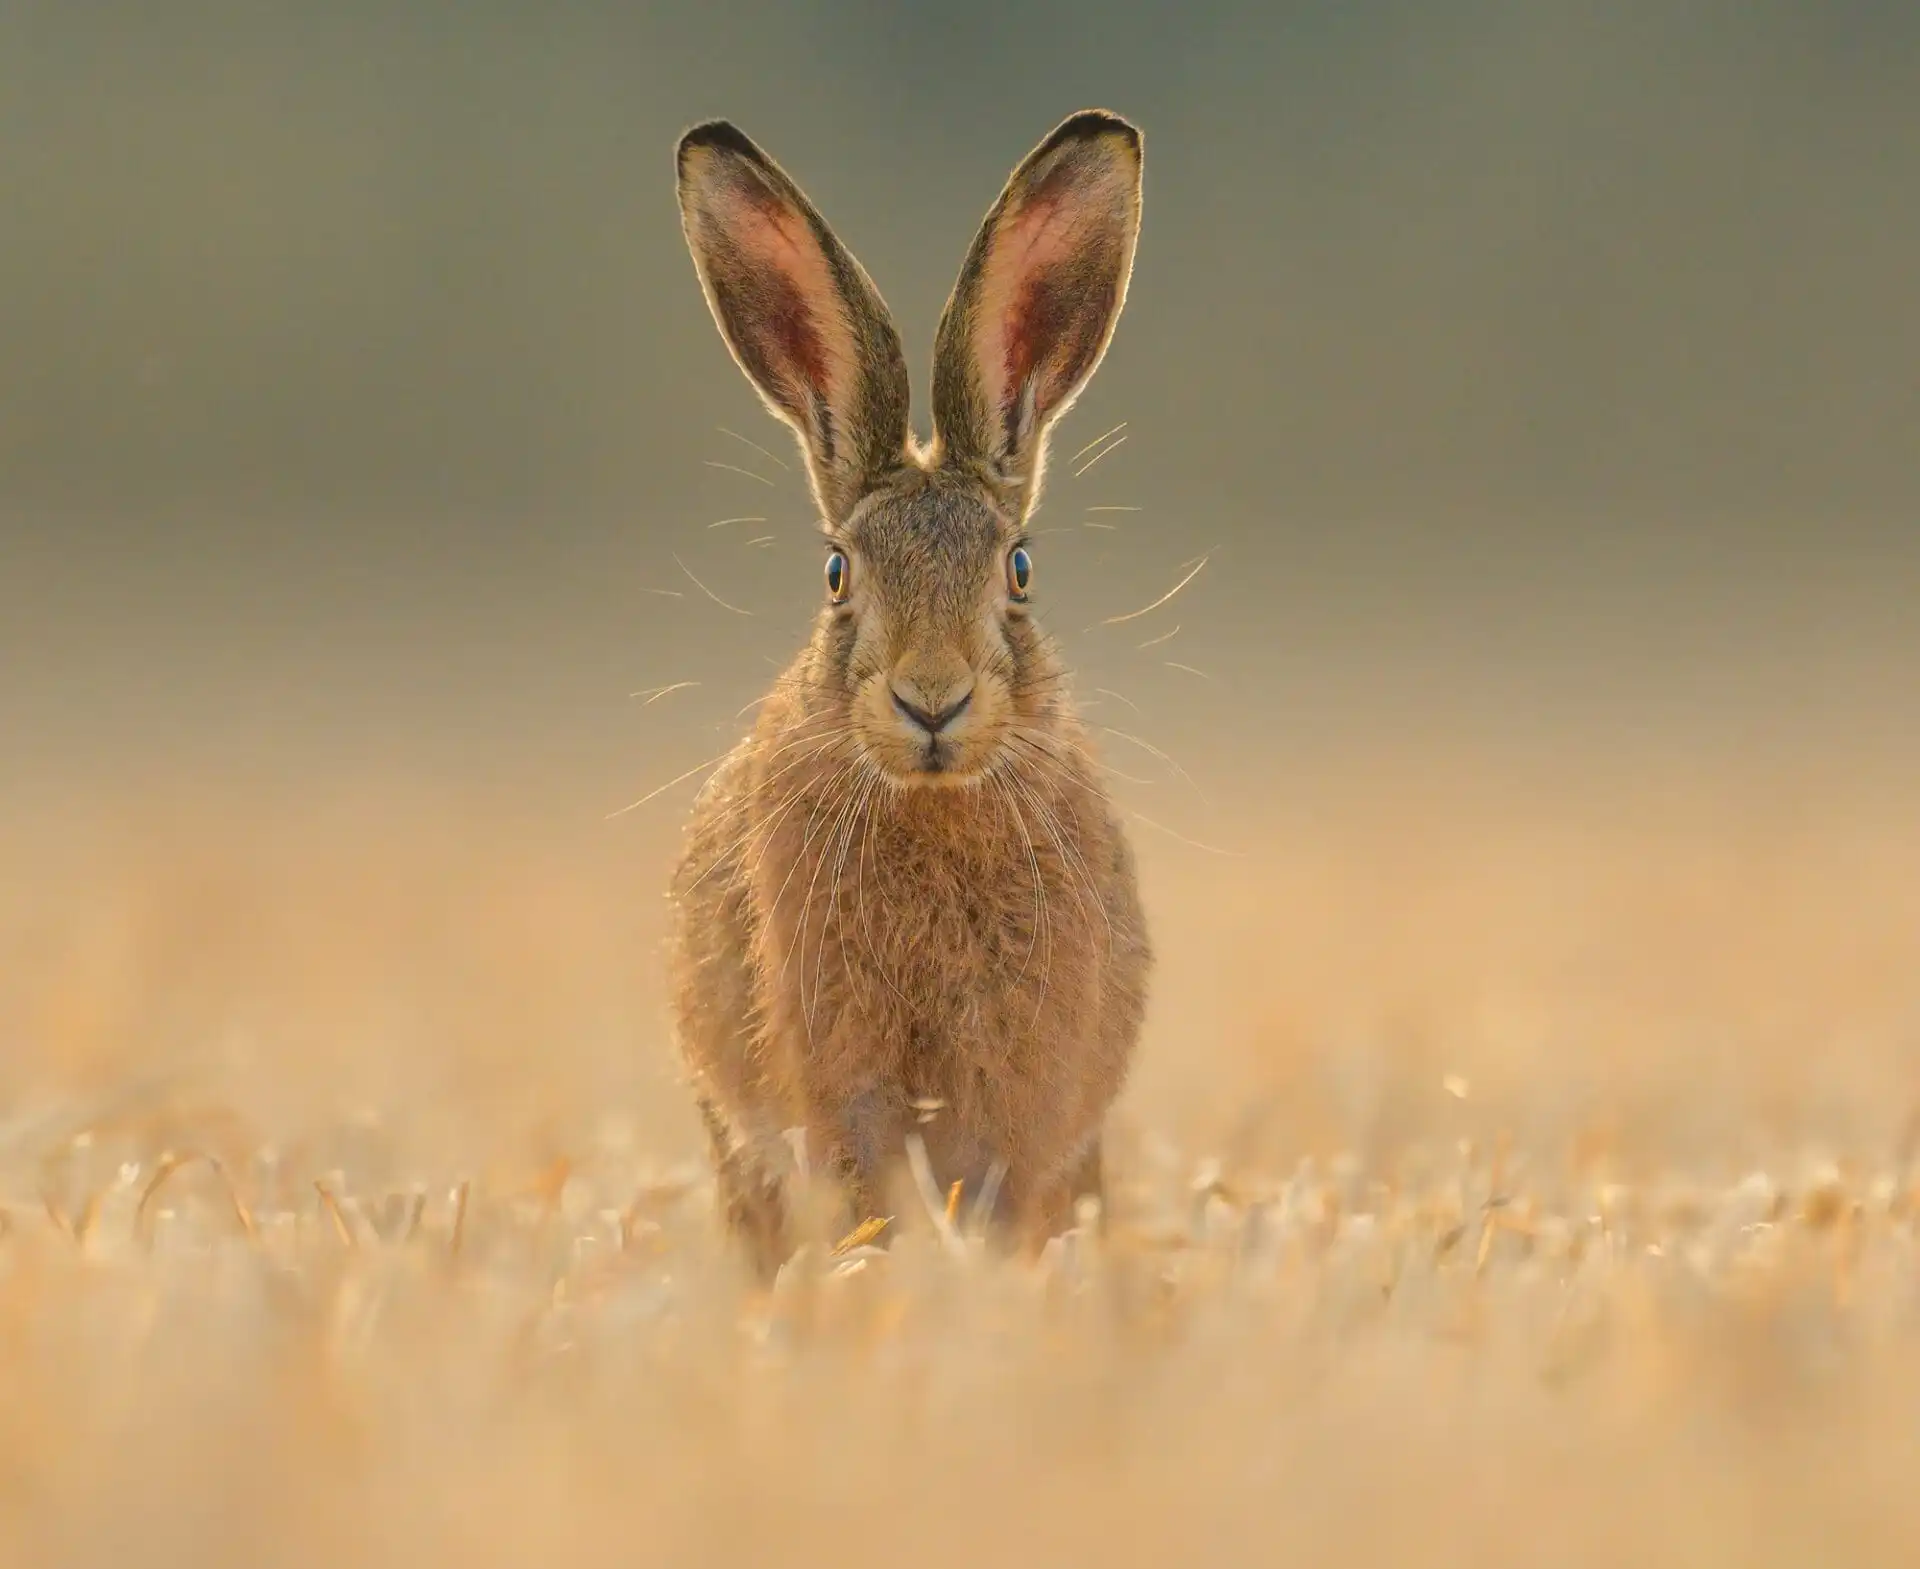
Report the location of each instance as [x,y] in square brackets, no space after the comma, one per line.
[977,923]
[968,941]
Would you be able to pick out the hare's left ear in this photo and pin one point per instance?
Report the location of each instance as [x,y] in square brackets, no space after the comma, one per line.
[801,316]
[1037,300]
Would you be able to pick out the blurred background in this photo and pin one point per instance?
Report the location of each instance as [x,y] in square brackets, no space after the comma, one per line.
[1538,382]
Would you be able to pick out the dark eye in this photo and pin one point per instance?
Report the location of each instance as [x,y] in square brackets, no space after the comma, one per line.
[839,576]
[1019,572]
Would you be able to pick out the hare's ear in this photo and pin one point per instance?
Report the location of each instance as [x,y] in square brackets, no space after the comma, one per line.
[1037,300]
[800,315]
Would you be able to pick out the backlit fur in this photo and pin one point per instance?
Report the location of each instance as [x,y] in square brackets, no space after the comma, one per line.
[881,931]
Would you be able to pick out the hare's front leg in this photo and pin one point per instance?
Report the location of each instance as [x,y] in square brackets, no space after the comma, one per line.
[1052,1207]
[751,1196]
[849,1139]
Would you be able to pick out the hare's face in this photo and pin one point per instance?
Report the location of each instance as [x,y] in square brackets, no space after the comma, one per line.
[928,632]
[925,653]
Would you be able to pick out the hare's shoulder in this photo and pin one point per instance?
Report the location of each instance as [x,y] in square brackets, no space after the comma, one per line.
[717,820]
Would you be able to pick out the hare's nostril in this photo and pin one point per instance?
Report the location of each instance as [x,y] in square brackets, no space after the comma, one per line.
[932,720]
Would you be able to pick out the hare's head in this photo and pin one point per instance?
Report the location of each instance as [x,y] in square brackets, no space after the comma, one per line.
[925,637]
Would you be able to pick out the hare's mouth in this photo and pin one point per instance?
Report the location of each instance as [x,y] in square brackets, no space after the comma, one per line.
[916,747]
[939,760]
[933,762]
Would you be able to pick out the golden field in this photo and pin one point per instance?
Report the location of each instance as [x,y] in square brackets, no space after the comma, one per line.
[1520,1169]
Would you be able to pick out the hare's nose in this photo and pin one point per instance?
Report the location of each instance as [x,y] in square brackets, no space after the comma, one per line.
[932,711]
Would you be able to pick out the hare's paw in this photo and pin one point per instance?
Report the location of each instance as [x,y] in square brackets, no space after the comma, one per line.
[754,1207]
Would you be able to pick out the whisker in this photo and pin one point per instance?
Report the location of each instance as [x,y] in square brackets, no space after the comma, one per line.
[776,462]
[844,805]
[1096,441]
[1135,615]
[1079,875]
[818,734]
[1065,778]
[1044,915]
[743,874]
[876,791]
[828,727]
[1164,637]
[1174,664]
[1040,922]
[707,591]
[653,694]
[1194,843]
[764,539]
[1114,446]
[665,593]
[782,684]
[1085,756]
[723,522]
[1150,747]
[851,821]
[1109,527]
[734,468]
[806,839]
[822,742]
[711,762]
[860,902]
[1115,509]
[1107,691]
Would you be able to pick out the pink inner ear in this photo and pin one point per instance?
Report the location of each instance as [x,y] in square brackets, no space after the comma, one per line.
[1047,291]
[1014,318]
[777,249]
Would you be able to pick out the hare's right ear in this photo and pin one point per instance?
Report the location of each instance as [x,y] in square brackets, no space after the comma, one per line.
[1037,301]
[800,315]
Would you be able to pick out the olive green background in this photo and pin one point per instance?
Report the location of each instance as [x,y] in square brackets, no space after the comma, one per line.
[1538,379]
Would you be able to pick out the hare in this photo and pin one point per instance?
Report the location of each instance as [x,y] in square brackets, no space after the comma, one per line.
[905,904]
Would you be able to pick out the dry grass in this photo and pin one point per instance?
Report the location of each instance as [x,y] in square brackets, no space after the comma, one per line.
[1405,1265]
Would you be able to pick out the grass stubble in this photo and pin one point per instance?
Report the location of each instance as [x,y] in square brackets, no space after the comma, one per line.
[302,1336]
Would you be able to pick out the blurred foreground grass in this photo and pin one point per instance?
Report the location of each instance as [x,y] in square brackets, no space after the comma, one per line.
[1465,1355]
[1529,1193]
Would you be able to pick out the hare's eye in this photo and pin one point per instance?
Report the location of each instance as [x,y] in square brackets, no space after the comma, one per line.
[839,577]
[1019,572]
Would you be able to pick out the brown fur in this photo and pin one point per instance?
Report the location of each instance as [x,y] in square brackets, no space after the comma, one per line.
[871,914]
